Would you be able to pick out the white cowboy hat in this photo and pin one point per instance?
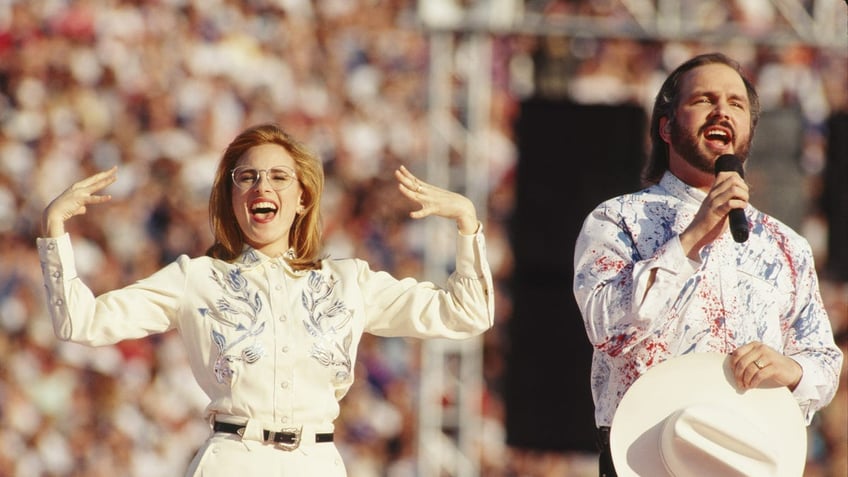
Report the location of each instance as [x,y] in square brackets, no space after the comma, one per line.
[686,417]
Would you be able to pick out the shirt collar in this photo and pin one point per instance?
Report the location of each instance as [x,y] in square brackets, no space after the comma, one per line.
[680,190]
[251,258]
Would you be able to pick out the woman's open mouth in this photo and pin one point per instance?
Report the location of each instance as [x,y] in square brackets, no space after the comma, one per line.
[263,210]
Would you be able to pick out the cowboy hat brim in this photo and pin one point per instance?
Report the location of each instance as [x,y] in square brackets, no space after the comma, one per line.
[700,379]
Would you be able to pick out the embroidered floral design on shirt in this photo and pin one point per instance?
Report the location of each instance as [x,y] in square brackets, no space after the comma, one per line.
[328,317]
[238,309]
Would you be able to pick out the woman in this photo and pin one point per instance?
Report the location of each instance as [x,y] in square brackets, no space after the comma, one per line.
[271,328]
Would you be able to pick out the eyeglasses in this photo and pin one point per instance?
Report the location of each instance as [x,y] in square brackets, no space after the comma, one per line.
[280,177]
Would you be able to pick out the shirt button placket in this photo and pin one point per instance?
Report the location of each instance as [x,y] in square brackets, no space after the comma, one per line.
[284,373]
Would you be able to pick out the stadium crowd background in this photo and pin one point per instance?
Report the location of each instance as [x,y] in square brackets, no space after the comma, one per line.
[160,87]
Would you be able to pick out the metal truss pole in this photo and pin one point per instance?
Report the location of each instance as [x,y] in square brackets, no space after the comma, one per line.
[815,23]
[451,380]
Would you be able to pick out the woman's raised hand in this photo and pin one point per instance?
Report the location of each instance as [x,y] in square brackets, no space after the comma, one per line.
[437,201]
[74,200]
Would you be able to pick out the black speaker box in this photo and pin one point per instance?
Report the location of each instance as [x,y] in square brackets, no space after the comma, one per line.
[571,158]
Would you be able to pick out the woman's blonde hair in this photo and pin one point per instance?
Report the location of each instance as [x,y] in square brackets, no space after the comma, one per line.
[305,233]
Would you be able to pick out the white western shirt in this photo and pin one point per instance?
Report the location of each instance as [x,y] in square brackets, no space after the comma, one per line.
[764,289]
[266,342]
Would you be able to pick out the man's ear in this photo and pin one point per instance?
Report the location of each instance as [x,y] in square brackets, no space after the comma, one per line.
[665,129]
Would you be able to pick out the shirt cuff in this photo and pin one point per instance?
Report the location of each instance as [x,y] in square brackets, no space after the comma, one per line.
[676,268]
[57,257]
[478,230]
[807,392]
[675,260]
[471,253]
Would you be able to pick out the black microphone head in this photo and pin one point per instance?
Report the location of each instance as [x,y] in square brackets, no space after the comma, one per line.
[729,162]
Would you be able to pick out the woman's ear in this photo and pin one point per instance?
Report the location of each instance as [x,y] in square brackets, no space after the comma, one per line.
[300,207]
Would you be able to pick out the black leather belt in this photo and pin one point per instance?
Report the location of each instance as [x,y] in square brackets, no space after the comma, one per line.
[288,439]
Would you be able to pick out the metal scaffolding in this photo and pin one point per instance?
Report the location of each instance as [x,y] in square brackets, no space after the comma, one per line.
[461,35]
[451,381]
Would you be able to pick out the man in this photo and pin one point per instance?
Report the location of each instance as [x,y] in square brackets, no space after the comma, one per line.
[657,273]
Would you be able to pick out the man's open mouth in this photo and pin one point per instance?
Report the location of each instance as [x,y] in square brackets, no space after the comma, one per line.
[720,135]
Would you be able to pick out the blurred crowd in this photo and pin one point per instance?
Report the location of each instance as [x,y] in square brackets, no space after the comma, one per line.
[159,88]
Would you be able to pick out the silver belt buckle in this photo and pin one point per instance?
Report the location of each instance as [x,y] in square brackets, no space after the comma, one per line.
[287,446]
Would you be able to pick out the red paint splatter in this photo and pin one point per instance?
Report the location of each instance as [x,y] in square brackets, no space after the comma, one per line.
[608,264]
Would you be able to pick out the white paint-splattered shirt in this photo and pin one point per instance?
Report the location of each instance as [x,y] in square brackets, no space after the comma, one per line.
[764,289]
[265,342]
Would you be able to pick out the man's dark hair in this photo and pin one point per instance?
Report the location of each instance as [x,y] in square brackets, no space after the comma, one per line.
[667,101]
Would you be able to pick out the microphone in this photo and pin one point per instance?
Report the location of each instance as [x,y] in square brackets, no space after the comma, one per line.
[738,221]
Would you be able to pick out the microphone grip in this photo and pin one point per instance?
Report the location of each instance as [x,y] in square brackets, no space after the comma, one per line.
[738,225]
[738,222]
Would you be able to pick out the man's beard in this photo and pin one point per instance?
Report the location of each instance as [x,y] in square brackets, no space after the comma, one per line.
[685,144]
